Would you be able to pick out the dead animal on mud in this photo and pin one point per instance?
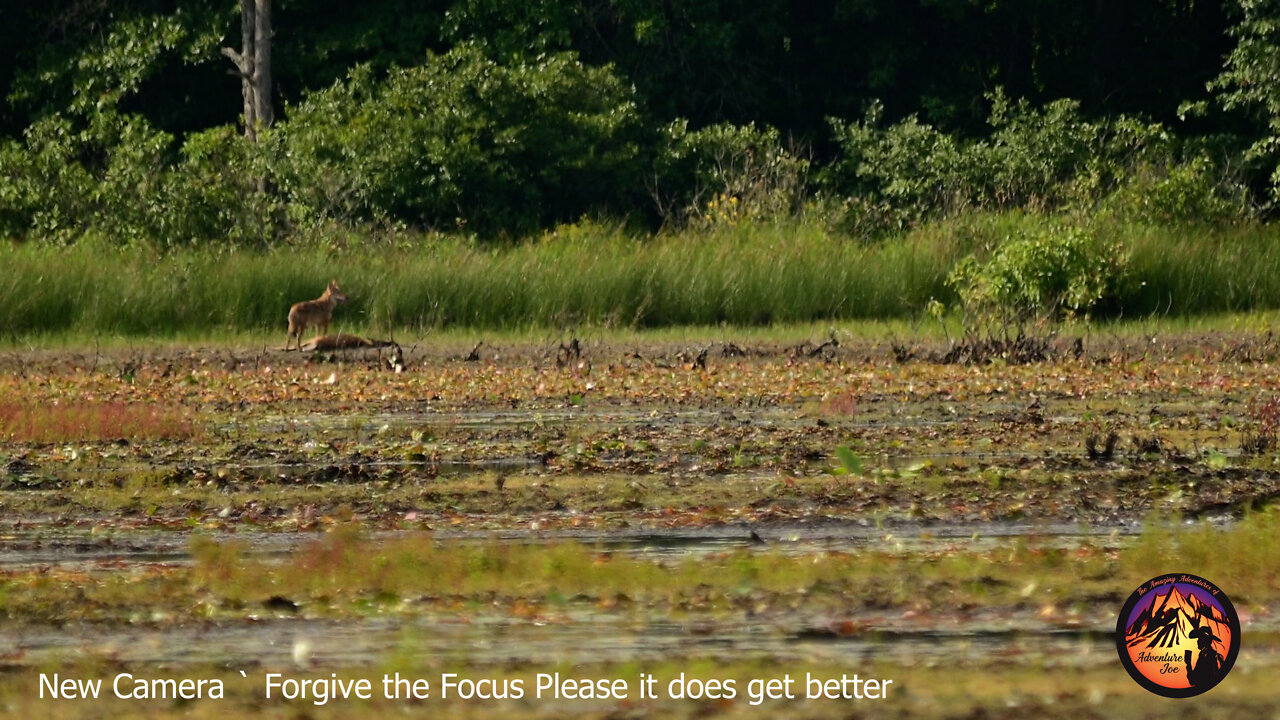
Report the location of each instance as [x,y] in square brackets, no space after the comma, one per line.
[343,341]
[314,313]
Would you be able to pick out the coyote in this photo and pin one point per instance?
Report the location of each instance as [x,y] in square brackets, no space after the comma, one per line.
[315,313]
[343,341]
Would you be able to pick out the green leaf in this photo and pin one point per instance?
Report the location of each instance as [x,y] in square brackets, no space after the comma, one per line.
[850,463]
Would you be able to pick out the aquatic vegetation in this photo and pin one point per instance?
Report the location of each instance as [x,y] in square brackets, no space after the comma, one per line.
[75,420]
[789,501]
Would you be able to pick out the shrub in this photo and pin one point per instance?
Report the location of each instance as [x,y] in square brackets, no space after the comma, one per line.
[896,175]
[726,174]
[1052,157]
[44,191]
[1195,190]
[117,177]
[464,141]
[1060,270]
[214,195]
[108,173]
[1039,159]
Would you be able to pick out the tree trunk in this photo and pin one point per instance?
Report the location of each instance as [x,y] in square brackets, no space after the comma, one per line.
[262,64]
[253,65]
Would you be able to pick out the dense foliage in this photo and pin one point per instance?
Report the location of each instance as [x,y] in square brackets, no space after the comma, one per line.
[1042,273]
[502,118]
[464,141]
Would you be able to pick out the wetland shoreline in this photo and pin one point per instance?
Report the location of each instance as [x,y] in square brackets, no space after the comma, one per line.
[649,506]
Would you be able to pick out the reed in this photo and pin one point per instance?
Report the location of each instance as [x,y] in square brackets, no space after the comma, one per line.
[594,275]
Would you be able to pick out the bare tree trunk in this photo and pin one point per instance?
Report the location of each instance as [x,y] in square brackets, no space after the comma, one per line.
[262,64]
[253,65]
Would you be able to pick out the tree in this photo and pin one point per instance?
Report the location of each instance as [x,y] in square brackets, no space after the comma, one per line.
[1250,81]
[253,63]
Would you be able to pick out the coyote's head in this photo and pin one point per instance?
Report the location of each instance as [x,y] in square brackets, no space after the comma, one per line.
[333,292]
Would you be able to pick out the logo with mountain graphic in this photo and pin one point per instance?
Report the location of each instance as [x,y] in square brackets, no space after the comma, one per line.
[1178,635]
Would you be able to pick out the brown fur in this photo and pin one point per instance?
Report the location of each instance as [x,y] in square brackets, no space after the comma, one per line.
[314,313]
[343,341]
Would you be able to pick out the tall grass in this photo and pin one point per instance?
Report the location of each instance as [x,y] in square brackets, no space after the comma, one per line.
[1240,557]
[598,276]
[593,275]
[1196,270]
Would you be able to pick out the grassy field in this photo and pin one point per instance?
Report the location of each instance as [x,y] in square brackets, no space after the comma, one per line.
[596,276]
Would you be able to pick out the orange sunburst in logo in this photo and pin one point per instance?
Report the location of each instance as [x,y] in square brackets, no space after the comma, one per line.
[1178,635]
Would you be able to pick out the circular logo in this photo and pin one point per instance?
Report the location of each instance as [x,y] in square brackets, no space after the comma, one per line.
[1178,635]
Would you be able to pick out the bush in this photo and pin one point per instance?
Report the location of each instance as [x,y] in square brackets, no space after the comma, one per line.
[726,174]
[215,193]
[119,178]
[1039,159]
[44,190]
[1049,158]
[1195,190]
[66,177]
[1060,270]
[464,141]
[902,173]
